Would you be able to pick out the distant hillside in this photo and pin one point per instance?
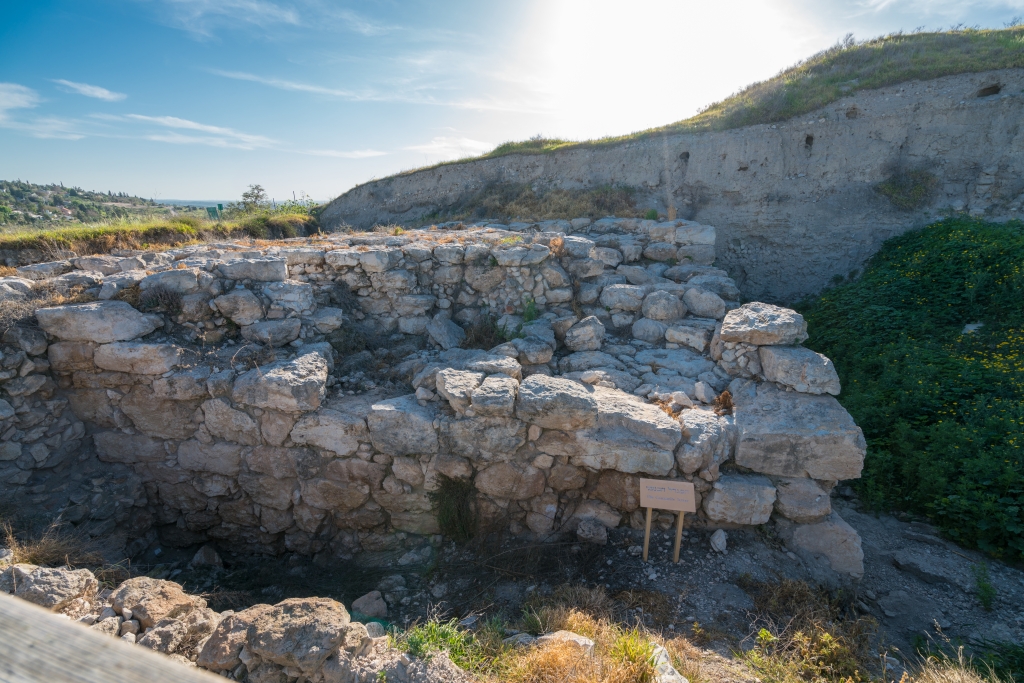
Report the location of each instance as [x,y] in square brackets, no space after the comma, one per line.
[23,203]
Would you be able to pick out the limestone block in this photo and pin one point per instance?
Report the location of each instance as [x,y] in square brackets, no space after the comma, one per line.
[377,260]
[652,331]
[695,233]
[152,600]
[724,287]
[566,478]
[300,633]
[618,409]
[395,281]
[291,295]
[452,254]
[764,325]
[224,422]
[740,499]
[444,332]
[421,523]
[707,440]
[533,350]
[660,305]
[701,254]
[185,385]
[802,369]
[179,280]
[327,320]
[53,588]
[301,256]
[159,417]
[240,305]
[490,365]
[44,271]
[623,297]
[802,499]
[336,431]
[128,448]
[342,258]
[620,490]
[328,494]
[592,509]
[400,426]
[555,275]
[218,458]
[577,247]
[408,470]
[273,332]
[484,278]
[101,322]
[70,356]
[790,434]
[660,251]
[108,265]
[257,269]
[507,482]
[586,360]
[834,539]
[608,256]
[685,362]
[297,385]
[456,386]
[137,358]
[617,448]
[495,397]
[269,491]
[31,341]
[483,437]
[704,304]
[556,403]
[696,338]
[222,649]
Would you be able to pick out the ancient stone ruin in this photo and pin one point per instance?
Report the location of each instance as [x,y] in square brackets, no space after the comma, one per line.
[215,391]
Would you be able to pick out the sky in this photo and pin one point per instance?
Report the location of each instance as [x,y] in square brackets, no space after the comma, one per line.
[198,99]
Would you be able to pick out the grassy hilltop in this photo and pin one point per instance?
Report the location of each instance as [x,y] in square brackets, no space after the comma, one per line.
[841,70]
[941,404]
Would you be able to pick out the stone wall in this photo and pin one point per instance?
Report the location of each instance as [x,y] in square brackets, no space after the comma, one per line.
[223,409]
[794,202]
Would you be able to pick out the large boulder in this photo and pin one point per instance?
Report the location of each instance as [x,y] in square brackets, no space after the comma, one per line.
[623,297]
[618,448]
[52,588]
[217,458]
[273,332]
[456,386]
[241,305]
[151,600]
[299,632]
[834,539]
[294,386]
[789,434]
[704,304]
[101,322]
[400,426]
[178,280]
[229,424]
[740,499]
[802,369]
[707,440]
[291,295]
[137,358]
[618,409]
[505,481]
[444,332]
[764,325]
[660,305]
[556,403]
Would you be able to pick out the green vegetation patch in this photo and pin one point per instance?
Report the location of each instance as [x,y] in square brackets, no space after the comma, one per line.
[841,70]
[941,404]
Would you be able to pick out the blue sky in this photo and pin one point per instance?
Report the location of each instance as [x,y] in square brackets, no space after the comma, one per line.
[196,99]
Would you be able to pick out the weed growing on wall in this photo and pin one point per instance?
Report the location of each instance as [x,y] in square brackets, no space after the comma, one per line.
[941,404]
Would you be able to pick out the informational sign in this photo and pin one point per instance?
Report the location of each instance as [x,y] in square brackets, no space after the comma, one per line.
[666,495]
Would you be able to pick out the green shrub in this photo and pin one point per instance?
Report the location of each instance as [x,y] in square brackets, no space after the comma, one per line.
[651,215]
[452,501]
[942,408]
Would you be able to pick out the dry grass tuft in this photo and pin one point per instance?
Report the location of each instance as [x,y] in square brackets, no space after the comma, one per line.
[943,669]
[58,544]
[8,271]
[22,312]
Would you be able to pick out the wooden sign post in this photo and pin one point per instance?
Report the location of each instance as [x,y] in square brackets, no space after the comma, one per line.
[667,495]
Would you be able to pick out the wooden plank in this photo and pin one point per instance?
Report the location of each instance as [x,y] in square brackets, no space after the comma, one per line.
[647,532]
[679,537]
[37,646]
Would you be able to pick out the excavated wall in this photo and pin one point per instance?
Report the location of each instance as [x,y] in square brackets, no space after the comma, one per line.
[219,407]
[795,202]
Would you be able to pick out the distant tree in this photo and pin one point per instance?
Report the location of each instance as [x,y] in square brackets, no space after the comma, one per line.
[254,198]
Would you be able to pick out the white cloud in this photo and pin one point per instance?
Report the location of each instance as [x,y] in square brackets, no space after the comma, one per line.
[91,90]
[283,84]
[450,147]
[201,16]
[14,96]
[217,136]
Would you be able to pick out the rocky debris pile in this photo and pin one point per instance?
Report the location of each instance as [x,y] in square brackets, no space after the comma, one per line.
[310,639]
[622,340]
